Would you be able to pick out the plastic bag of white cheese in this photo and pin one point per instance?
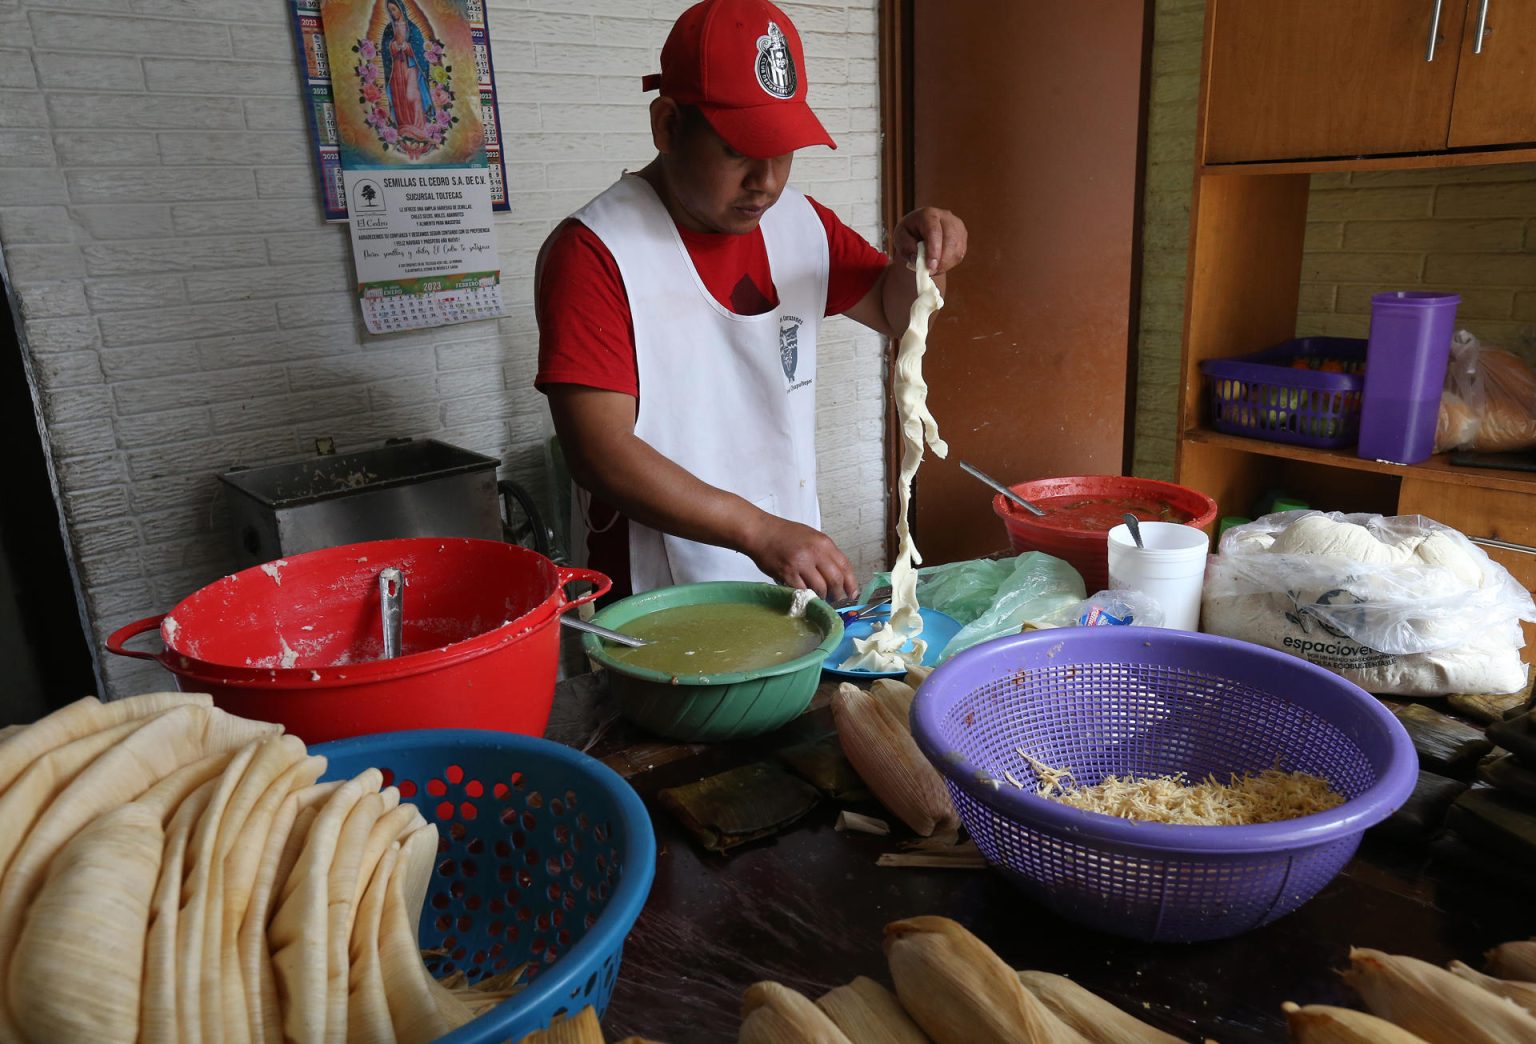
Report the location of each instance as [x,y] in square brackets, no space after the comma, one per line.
[1399,605]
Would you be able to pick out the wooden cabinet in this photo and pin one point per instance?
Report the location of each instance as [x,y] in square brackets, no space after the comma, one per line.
[1310,79]
[1279,72]
[1496,82]
[1248,223]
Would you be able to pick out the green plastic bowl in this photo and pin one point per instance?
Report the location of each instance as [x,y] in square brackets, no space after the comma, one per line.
[714,707]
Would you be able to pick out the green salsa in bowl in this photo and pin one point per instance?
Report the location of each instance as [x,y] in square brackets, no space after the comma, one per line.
[726,659]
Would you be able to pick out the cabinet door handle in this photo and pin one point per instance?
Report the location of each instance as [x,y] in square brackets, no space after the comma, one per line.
[1482,27]
[1434,32]
[1524,549]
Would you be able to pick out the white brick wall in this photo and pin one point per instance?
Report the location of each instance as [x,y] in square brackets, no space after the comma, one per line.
[183,308]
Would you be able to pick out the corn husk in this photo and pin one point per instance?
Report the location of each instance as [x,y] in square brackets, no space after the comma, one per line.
[341,890]
[889,762]
[299,930]
[581,1028]
[772,1013]
[157,1014]
[1487,708]
[861,824]
[45,778]
[1513,960]
[868,1013]
[395,825]
[420,1012]
[241,866]
[960,992]
[197,898]
[916,675]
[1430,1001]
[368,1005]
[896,697]
[1522,993]
[166,742]
[166,796]
[241,831]
[1089,1014]
[82,718]
[87,925]
[1325,1024]
[290,827]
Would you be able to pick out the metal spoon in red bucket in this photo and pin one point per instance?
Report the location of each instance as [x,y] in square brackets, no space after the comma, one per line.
[1004,490]
[391,588]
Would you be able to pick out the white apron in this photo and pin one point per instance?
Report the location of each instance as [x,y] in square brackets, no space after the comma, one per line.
[731,398]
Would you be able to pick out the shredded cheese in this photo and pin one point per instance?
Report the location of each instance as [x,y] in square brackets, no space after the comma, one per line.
[1268,797]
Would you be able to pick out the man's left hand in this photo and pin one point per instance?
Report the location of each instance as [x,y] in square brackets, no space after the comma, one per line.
[942,234]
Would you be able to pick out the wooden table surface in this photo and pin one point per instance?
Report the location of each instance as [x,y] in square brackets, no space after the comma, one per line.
[807,909]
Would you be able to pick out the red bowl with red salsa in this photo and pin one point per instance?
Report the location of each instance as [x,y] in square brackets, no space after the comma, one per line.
[1081,510]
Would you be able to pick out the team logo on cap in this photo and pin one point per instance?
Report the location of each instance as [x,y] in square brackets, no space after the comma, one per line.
[775,65]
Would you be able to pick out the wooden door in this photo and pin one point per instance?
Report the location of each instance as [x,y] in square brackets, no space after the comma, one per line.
[1027,120]
[1496,87]
[1296,79]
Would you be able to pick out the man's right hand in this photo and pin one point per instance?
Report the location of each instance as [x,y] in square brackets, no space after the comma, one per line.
[596,430]
[799,556]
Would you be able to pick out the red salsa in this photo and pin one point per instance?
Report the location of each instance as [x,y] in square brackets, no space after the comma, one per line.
[1101,514]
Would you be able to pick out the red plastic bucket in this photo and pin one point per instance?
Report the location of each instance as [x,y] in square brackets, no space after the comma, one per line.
[1088,549]
[298,641]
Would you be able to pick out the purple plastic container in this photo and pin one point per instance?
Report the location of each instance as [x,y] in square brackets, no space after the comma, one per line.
[1146,701]
[1406,356]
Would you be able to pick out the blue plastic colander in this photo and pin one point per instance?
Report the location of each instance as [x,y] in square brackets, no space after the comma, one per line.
[545,855]
[1145,701]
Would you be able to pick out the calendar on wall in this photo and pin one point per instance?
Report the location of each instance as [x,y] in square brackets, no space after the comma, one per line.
[424,247]
[414,133]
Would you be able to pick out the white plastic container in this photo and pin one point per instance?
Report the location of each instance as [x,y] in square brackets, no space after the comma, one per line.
[1170,569]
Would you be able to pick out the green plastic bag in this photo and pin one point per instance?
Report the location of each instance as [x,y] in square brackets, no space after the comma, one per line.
[994,597]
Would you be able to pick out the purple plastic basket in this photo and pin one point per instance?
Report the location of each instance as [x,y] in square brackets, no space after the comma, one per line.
[1264,396]
[1146,701]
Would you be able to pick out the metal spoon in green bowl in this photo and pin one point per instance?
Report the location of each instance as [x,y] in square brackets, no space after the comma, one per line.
[575,623]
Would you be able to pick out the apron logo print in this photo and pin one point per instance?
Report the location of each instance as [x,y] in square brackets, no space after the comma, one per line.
[775,65]
[789,345]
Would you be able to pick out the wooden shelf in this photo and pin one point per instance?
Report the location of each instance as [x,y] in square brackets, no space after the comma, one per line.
[1437,469]
[1343,164]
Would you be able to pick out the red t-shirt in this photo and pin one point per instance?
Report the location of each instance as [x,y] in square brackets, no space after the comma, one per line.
[587,337]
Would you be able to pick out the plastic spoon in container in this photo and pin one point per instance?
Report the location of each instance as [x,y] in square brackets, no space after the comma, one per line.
[1134,525]
[576,623]
[1004,490]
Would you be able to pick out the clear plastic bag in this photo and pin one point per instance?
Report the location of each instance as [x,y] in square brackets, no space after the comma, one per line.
[1489,402]
[1399,604]
[991,598]
[1116,608]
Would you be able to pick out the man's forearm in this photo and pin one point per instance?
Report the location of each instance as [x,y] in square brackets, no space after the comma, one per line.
[651,489]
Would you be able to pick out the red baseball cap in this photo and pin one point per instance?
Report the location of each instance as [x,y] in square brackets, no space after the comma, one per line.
[740,62]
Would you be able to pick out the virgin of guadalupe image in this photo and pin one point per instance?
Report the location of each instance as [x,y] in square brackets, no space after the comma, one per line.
[404,49]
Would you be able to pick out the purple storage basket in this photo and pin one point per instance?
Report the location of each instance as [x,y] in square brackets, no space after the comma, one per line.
[1146,701]
[1264,397]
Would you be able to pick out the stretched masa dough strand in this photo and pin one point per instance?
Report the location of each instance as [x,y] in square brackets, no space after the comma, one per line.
[881,651]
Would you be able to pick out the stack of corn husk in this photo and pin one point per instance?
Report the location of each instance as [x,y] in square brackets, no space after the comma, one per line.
[950,989]
[172,872]
[875,733]
[1415,1002]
